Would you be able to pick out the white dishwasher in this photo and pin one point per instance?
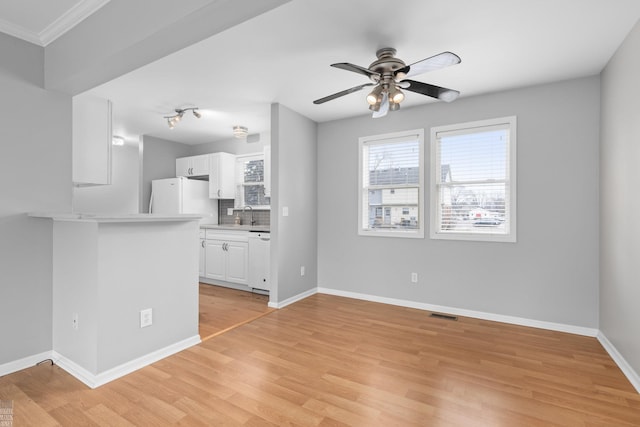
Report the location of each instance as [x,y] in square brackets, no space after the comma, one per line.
[259,260]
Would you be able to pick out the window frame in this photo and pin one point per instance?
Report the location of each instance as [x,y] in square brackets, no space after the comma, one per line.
[240,183]
[417,233]
[510,123]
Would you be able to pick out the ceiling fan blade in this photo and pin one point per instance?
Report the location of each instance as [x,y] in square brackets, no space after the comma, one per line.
[341,93]
[384,107]
[356,69]
[441,93]
[435,62]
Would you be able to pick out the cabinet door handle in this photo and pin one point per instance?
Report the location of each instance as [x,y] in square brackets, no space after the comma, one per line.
[190,171]
[202,243]
[218,193]
[224,246]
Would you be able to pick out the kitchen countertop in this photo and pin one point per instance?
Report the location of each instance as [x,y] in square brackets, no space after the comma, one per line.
[252,228]
[84,217]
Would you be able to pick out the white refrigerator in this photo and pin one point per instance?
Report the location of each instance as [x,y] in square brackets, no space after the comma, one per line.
[183,196]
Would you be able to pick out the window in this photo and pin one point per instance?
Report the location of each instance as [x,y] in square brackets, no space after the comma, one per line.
[473,181]
[250,191]
[391,177]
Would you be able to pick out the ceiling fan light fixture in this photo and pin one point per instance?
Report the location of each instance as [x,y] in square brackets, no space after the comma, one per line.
[375,96]
[394,106]
[240,132]
[396,95]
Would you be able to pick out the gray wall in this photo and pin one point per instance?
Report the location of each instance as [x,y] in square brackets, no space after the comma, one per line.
[294,185]
[35,175]
[158,161]
[121,197]
[619,175]
[550,274]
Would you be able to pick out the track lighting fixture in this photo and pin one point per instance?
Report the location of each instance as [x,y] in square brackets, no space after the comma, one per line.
[175,118]
[240,131]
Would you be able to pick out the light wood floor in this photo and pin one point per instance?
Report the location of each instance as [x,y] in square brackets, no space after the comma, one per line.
[222,309]
[331,361]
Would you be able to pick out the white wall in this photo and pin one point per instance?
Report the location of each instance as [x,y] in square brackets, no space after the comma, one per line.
[121,197]
[158,161]
[35,175]
[550,274]
[620,175]
[294,185]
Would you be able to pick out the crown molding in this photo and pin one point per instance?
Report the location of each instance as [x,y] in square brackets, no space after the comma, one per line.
[57,28]
[70,19]
[19,32]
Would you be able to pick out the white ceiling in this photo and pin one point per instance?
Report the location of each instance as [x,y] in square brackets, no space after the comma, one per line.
[284,55]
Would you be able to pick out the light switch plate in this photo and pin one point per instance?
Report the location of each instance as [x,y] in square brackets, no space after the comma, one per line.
[285,211]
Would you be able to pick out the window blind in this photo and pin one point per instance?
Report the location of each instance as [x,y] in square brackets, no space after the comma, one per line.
[391,178]
[473,179]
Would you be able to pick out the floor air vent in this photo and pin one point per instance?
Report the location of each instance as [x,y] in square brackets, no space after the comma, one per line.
[444,316]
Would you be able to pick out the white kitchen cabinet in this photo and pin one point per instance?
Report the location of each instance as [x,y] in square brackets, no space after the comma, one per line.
[222,176]
[215,260]
[91,136]
[259,261]
[227,257]
[193,165]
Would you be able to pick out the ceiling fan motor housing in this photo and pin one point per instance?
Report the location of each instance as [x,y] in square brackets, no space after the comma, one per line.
[385,65]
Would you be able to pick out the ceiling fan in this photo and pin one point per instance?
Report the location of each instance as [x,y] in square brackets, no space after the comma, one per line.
[390,74]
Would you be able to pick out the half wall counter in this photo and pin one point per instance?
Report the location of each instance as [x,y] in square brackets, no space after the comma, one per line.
[125,291]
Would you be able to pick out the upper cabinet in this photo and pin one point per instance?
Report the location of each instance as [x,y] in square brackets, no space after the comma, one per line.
[222,175]
[193,166]
[91,140]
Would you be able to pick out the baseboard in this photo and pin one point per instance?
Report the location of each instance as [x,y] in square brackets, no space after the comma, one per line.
[96,380]
[624,366]
[293,299]
[577,330]
[24,363]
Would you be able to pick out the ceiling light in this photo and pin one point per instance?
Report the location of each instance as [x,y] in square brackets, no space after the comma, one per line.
[375,96]
[173,119]
[240,131]
[396,95]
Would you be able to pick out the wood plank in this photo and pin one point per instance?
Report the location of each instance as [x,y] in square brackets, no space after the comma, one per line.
[332,361]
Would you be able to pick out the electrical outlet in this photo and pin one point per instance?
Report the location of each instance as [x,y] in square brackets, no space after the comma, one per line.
[302,270]
[414,277]
[285,211]
[74,321]
[146,317]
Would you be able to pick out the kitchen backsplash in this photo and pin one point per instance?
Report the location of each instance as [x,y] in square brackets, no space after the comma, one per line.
[260,216]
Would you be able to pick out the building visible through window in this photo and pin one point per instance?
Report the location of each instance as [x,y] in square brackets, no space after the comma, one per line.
[473,181]
[391,188]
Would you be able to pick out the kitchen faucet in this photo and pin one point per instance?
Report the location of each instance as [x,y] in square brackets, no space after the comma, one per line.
[251,211]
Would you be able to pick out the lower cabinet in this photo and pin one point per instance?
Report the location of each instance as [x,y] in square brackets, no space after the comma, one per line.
[235,257]
[226,258]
